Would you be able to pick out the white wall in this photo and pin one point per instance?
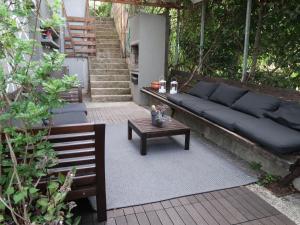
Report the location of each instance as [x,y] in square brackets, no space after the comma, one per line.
[75,7]
[79,67]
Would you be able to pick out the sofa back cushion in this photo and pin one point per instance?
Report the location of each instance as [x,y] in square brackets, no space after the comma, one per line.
[256,104]
[226,94]
[203,89]
[288,114]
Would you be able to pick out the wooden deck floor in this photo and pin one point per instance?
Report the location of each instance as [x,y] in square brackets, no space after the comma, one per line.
[225,207]
[117,113]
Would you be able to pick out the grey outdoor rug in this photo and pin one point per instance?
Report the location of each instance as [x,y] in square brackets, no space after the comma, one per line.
[167,171]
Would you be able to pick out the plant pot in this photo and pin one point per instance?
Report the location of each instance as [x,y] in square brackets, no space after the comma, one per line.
[158,119]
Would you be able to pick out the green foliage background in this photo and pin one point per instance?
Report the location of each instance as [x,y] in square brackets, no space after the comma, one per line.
[278,51]
[278,62]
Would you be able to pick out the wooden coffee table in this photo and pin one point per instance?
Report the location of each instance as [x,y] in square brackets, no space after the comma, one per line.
[145,130]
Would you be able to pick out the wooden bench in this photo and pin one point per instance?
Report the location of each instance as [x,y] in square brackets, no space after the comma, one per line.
[82,146]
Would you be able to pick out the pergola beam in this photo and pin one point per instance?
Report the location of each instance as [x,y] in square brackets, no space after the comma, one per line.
[159,3]
[177,37]
[246,43]
[202,29]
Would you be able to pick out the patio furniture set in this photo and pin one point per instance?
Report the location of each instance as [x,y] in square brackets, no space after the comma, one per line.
[255,126]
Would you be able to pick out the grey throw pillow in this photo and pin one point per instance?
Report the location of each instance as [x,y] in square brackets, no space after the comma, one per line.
[256,104]
[226,94]
[288,114]
[203,89]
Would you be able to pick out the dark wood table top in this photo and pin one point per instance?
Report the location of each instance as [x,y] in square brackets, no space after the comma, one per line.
[145,126]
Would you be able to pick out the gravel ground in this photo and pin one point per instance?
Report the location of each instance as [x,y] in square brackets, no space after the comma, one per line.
[288,205]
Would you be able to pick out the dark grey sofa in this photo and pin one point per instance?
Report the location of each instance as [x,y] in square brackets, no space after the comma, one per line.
[70,113]
[268,121]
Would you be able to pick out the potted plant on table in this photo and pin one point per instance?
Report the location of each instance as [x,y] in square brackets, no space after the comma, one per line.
[158,115]
[25,153]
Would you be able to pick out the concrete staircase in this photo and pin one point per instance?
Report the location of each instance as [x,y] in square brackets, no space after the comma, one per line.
[109,74]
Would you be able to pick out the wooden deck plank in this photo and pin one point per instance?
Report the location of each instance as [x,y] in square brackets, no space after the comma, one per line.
[132,219]
[174,216]
[235,206]
[121,220]
[166,204]
[184,215]
[142,218]
[164,218]
[153,218]
[205,214]
[195,215]
[215,213]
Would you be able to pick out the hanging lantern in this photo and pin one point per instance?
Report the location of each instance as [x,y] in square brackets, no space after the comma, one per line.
[174,87]
[162,86]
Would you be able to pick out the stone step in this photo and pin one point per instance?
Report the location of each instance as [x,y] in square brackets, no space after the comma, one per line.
[106,32]
[108,55]
[108,42]
[109,22]
[105,27]
[109,71]
[108,50]
[108,66]
[109,84]
[103,23]
[111,98]
[110,91]
[116,45]
[107,37]
[104,19]
[106,60]
[109,78]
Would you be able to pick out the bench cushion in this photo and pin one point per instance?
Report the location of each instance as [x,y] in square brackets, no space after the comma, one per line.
[271,135]
[68,118]
[288,114]
[256,104]
[227,117]
[226,94]
[198,105]
[70,107]
[179,98]
[203,89]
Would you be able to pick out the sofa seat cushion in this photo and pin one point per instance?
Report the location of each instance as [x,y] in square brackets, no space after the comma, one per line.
[227,117]
[199,105]
[68,118]
[203,89]
[271,135]
[70,107]
[226,94]
[180,98]
[288,114]
[256,104]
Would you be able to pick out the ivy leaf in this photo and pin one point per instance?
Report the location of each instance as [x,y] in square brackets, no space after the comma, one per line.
[61,178]
[1,218]
[43,202]
[2,206]
[19,196]
[10,191]
[33,190]
[53,186]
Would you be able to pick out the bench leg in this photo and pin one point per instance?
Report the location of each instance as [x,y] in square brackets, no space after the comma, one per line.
[187,141]
[129,133]
[143,145]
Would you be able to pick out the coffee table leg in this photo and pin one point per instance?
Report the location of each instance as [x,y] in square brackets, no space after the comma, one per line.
[143,145]
[187,141]
[129,133]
